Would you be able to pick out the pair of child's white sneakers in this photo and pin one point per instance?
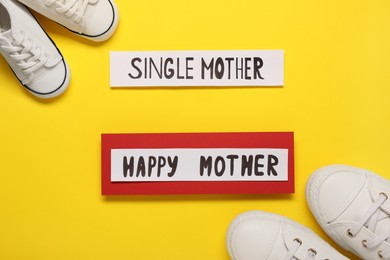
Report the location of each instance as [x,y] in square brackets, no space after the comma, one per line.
[32,55]
[352,205]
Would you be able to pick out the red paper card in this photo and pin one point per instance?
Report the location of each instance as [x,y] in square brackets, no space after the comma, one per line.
[198,163]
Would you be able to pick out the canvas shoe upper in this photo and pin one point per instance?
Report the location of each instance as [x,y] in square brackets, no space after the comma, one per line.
[258,235]
[94,19]
[352,205]
[31,54]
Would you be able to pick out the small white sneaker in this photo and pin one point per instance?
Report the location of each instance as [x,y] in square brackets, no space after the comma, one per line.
[257,235]
[352,205]
[96,20]
[29,51]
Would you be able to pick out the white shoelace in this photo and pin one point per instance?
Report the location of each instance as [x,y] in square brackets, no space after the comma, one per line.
[71,8]
[370,220]
[29,59]
[311,253]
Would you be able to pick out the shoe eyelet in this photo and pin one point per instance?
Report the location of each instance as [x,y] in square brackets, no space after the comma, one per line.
[380,255]
[21,35]
[312,250]
[384,194]
[298,240]
[364,243]
[349,233]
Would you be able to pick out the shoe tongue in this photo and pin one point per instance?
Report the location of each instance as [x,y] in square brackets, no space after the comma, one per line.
[383,224]
[6,34]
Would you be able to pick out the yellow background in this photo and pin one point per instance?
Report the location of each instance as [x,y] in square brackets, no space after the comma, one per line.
[335,99]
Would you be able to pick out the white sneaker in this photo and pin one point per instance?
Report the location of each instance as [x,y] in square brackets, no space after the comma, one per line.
[257,235]
[352,205]
[31,54]
[93,19]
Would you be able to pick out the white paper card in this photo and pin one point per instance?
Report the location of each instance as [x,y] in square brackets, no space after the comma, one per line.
[197,68]
[220,164]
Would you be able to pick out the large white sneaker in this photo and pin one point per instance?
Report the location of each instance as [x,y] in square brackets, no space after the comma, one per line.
[96,20]
[352,205]
[258,235]
[31,54]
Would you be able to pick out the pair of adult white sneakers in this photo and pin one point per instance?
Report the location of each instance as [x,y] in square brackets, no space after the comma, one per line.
[29,51]
[352,205]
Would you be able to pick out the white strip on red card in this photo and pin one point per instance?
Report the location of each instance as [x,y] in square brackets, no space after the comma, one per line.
[197,163]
